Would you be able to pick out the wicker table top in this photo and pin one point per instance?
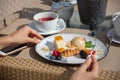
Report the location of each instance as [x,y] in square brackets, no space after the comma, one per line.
[110,62]
[31,66]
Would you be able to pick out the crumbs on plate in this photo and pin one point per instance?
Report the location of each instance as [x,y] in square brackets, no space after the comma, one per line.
[45,49]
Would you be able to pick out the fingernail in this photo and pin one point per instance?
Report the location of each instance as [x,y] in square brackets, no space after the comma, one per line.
[89,57]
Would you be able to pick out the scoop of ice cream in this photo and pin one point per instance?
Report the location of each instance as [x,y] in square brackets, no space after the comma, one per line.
[79,42]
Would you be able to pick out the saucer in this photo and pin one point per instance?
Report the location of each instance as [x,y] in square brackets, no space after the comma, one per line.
[116,38]
[60,27]
[73,1]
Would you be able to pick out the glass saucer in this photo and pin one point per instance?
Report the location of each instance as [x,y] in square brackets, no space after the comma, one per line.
[116,38]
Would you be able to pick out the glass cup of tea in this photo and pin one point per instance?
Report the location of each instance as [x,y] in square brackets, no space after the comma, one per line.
[63,9]
[46,21]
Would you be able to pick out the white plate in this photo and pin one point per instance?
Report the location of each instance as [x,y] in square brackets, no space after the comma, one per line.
[116,38]
[60,27]
[49,43]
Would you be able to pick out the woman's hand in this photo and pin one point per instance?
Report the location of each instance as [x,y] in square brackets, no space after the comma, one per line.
[25,35]
[87,71]
[21,36]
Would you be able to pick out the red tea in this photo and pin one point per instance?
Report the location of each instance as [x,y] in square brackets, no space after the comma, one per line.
[45,19]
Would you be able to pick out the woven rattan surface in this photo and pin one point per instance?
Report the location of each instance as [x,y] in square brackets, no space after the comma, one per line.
[26,69]
[7,9]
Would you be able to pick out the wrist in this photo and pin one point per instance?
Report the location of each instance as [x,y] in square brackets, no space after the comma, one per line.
[6,41]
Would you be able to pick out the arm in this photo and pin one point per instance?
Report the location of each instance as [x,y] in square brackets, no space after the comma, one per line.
[23,35]
[5,41]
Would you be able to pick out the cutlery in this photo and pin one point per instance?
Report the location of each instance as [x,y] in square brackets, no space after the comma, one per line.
[111,40]
[93,34]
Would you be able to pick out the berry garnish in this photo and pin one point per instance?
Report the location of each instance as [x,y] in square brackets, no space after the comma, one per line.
[58,57]
[92,52]
[84,39]
[83,54]
[55,53]
[52,57]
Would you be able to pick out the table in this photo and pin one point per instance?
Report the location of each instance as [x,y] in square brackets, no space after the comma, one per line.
[111,61]
[29,63]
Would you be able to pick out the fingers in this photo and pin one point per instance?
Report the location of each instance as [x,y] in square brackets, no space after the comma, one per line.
[95,64]
[34,40]
[32,32]
[35,33]
[34,36]
[86,64]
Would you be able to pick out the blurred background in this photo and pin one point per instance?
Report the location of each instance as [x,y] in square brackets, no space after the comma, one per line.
[11,11]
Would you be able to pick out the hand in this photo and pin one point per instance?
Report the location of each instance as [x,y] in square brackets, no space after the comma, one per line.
[21,36]
[84,72]
[25,35]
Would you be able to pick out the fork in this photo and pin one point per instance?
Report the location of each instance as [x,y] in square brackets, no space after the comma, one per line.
[111,40]
[94,35]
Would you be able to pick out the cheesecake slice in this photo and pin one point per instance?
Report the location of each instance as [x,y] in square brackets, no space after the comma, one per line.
[59,43]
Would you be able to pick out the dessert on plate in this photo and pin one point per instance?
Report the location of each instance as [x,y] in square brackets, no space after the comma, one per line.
[68,49]
[65,49]
[78,46]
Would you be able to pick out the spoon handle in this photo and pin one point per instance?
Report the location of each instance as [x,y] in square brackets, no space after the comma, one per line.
[111,40]
[93,34]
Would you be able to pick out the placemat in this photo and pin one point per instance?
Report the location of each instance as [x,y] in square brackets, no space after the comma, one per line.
[12,68]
